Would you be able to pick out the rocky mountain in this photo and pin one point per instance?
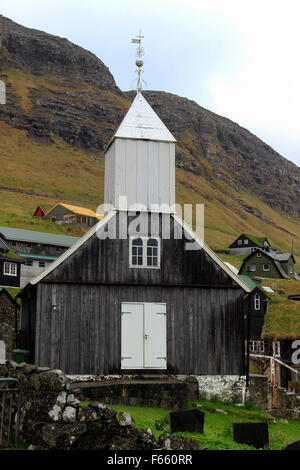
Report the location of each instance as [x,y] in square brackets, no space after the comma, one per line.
[63,102]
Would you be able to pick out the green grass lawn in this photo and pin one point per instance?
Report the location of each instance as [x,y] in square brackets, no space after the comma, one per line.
[217,425]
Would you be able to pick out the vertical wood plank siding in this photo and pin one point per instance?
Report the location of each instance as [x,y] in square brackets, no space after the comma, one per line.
[83,334]
[77,309]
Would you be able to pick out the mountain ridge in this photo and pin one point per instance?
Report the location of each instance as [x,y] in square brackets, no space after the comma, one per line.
[63,107]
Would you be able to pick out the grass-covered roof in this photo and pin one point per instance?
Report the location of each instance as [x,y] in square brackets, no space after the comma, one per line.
[282,319]
[11,255]
[258,240]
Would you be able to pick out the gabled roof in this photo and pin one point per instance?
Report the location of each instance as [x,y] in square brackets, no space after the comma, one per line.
[39,210]
[37,237]
[142,122]
[78,210]
[276,257]
[104,221]
[259,241]
[280,256]
[5,291]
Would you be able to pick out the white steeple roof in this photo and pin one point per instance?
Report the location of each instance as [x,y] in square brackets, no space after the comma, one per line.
[141,122]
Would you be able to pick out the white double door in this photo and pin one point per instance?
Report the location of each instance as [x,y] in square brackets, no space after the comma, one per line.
[143,336]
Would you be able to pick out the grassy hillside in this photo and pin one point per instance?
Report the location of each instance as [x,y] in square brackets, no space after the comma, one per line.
[59,169]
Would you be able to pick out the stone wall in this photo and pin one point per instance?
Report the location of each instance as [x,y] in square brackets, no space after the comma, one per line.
[55,417]
[287,404]
[168,393]
[228,388]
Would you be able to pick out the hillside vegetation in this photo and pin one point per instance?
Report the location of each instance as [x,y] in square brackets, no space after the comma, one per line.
[63,106]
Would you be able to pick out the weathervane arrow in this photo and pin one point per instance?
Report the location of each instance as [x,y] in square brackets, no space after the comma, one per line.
[139,62]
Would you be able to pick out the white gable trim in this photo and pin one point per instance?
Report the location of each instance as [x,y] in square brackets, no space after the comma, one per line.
[74,247]
[211,253]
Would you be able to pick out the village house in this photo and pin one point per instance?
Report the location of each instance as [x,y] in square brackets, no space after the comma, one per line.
[275,328]
[39,212]
[269,265]
[246,244]
[36,250]
[74,215]
[130,297]
[10,265]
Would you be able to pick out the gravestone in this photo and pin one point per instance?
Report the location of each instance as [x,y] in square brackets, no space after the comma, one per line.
[294,445]
[252,434]
[187,420]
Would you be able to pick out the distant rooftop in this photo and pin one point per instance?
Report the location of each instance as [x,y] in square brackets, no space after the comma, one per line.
[78,210]
[258,240]
[32,236]
[247,279]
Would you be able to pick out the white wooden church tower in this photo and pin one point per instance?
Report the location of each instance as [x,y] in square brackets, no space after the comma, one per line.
[140,161]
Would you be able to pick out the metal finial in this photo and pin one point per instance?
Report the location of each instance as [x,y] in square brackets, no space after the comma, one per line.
[139,62]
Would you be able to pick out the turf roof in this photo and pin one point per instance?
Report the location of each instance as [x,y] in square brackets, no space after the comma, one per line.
[258,240]
[282,320]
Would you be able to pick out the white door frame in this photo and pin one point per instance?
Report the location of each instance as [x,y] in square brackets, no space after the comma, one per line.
[144,337]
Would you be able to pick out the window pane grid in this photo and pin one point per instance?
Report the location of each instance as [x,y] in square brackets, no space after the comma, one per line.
[145,252]
[10,269]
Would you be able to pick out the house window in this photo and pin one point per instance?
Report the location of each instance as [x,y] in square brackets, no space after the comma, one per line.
[252,249]
[257,347]
[10,269]
[144,252]
[42,264]
[251,267]
[258,255]
[266,267]
[246,242]
[291,269]
[28,262]
[13,243]
[137,252]
[152,252]
[276,348]
[257,302]
[240,242]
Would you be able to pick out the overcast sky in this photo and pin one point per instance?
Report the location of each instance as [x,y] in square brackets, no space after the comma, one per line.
[238,58]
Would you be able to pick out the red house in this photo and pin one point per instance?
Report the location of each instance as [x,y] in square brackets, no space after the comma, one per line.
[39,212]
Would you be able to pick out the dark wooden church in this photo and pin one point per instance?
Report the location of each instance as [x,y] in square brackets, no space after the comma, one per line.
[126,298]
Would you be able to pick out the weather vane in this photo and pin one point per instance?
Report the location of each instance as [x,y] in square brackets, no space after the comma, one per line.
[139,62]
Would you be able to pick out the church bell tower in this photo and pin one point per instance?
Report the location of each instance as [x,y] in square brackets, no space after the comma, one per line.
[140,159]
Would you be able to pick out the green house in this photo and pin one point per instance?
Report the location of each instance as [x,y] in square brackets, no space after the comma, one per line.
[269,265]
